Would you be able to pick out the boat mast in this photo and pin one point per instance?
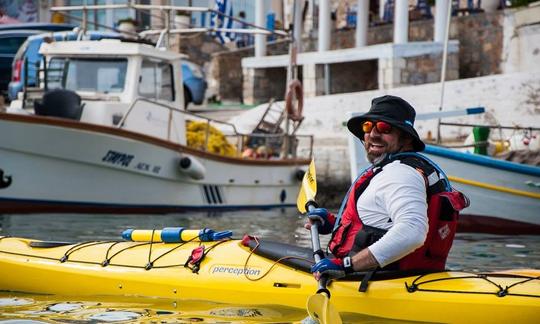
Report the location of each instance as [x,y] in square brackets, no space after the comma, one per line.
[443,69]
[291,74]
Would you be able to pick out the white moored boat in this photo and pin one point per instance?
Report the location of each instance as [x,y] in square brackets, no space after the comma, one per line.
[124,146]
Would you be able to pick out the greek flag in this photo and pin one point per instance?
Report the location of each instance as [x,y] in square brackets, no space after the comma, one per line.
[220,21]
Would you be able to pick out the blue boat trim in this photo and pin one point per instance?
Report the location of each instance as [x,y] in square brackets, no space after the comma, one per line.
[475,110]
[482,160]
[129,206]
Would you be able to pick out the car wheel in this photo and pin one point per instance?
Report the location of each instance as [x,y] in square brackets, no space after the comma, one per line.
[187,98]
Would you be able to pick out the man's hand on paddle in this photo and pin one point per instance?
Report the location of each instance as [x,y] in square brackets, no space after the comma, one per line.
[337,268]
[324,218]
[331,267]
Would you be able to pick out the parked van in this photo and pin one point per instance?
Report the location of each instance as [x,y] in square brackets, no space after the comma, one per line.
[10,41]
[11,38]
[194,83]
[43,27]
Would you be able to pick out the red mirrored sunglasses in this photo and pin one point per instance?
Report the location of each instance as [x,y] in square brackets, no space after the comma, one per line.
[382,127]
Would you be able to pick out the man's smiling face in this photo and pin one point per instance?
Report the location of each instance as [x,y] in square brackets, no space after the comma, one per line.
[378,144]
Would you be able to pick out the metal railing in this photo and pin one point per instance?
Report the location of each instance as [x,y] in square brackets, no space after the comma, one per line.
[243,140]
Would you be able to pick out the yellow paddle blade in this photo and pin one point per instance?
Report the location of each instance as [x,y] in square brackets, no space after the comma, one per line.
[316,304]
[301,201]
[308,190]
[319,308]
[331,315]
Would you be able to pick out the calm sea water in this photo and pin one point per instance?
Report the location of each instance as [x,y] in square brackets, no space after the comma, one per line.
[472,252]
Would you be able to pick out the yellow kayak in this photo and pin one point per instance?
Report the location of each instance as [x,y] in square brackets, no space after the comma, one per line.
[251,272]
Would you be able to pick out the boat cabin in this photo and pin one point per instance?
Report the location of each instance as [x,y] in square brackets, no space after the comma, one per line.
[120,83]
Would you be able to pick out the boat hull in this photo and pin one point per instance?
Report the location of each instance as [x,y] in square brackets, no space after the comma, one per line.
[504,197]
[122,270]
[58,165]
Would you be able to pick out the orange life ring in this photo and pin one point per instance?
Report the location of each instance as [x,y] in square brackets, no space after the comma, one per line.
[295,88]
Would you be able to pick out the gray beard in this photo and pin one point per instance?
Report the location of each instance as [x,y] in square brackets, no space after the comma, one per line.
[377,160]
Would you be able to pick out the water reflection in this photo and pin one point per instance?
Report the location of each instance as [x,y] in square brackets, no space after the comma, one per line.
[480,252]
[57,309]
[278,224]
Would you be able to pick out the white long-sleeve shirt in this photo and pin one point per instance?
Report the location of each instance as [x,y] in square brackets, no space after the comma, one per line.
[395,200]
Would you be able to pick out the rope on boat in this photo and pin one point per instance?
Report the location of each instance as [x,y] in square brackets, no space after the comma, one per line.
[108,258]
[501,291]
[107,262]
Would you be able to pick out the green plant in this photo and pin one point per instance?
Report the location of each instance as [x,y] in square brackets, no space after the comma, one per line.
[520,3]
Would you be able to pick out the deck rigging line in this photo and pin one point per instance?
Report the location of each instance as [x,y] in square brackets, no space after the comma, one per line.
[501,292]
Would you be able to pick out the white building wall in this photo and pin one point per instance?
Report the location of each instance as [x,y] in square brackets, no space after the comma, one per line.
[521,50]
[529,48]
[521,40]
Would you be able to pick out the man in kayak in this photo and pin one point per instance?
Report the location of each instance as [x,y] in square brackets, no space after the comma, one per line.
[401,213]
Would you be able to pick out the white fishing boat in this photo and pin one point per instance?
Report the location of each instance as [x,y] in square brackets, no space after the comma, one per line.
[504,196]
[106,132]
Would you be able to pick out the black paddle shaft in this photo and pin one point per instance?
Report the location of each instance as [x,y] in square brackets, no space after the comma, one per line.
[318,254]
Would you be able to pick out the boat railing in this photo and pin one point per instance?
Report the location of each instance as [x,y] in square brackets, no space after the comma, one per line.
[168,11]
[484,143]
[270,145]
[515,127]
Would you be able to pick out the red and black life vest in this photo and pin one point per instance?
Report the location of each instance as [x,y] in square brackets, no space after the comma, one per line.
[444,204]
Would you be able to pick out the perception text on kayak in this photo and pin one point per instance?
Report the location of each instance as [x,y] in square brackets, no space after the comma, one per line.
[235,270]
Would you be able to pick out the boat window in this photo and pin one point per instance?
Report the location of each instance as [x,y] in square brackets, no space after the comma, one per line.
[91,75]
[156,80]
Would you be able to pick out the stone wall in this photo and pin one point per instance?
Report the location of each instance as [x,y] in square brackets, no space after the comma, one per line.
[353,76]
[480,39]
[269,84]
[427,69]
[225,74]
[223,65]
[200,47]
[225,71]
[480,44]
[382,66]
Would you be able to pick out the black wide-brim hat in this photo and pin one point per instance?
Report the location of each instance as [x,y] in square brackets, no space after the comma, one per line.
[393,110]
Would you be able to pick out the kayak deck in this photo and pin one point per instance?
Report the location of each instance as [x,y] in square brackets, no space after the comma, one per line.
[231,273]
